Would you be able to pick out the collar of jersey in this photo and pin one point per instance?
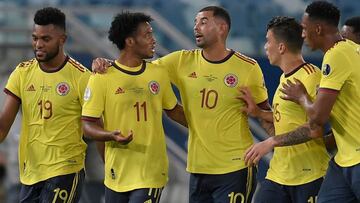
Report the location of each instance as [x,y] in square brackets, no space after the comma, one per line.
[130,70]
[220,61]
[56,69]
[295,70]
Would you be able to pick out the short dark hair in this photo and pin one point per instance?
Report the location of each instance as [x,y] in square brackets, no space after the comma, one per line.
[354,22]
[125,25]
[288,30]
[50,15]
[219,12]
[324,11]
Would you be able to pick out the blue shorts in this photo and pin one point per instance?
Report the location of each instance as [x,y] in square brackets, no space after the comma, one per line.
[272,192]
[341,184]
[59,189]
[144,195]
[234,187]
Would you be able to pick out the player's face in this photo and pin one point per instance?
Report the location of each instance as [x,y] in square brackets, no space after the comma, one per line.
[46,42]
[206,29]
[348,33]
[145,41]
[309,32]
[272,48]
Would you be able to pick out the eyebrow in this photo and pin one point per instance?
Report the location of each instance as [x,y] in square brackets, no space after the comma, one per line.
[203,18]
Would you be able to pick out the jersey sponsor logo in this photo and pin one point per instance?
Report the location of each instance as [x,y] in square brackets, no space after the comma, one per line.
[119,91]
[326,69]
[154,87]
[192,75]
[87,94]
[230,80]
[31,88]
[210,78]
[62,89]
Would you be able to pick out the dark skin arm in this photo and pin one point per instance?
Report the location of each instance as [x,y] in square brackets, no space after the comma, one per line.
[93,131]
[177,114]
[8,115]
[100,146]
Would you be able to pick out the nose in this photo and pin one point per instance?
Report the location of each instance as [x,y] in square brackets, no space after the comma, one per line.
[196,27]
[39,44]
[303,34]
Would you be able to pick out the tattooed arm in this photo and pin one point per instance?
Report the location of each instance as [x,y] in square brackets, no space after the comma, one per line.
[300,135]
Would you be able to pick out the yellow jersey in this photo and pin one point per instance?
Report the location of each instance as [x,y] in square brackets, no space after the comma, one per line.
[51,140]
[132,99]
[340,71]
[219,133]
[302,163]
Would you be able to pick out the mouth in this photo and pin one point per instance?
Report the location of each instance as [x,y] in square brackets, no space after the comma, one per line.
[198,36]
[39,53]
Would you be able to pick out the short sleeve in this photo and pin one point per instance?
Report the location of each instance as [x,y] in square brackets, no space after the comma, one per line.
[171,62]
[334,71]
[256,84]
[13,86]
[94,97]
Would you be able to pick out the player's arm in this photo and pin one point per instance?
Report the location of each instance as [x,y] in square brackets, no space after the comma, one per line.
[261,111]
[8,114]
[100,146]
[264,121]
[317,111]
[93,130]
[177,114]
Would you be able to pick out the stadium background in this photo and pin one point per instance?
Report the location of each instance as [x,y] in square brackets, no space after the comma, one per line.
[87,24]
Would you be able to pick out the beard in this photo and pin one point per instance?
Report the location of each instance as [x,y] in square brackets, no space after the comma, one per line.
[48,56]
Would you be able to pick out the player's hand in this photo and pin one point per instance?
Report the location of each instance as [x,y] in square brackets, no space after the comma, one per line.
[250,107]
[257,151]
[293,91]
[100,65]
[120,138]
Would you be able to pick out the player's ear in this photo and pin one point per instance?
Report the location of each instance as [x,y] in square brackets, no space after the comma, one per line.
[282,48]
[318,28]
[63,38]
[129,41]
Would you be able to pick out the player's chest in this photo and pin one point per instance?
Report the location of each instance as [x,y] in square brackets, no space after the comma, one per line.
[46,89]
[225,80]
[139,87]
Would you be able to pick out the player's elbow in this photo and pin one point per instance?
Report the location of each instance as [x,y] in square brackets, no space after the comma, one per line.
[86,129]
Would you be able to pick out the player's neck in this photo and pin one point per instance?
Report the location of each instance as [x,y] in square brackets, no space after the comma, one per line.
[290,62]
[216,52]
[129,60]
[330,40]
[54,63]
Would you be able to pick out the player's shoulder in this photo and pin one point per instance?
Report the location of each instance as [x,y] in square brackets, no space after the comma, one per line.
[155,67]
[309,69]
[76,66]
[187,52]
[26,65]
[245,59]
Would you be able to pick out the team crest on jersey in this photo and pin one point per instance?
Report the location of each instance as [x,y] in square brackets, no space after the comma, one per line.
[62,89]
[154,87]
[87,94]
[230,80]
[326,69]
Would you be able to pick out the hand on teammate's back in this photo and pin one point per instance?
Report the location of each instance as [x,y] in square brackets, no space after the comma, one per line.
[100,65]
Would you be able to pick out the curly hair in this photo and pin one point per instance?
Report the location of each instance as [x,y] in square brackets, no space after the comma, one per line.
[50,15]
[125,25]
